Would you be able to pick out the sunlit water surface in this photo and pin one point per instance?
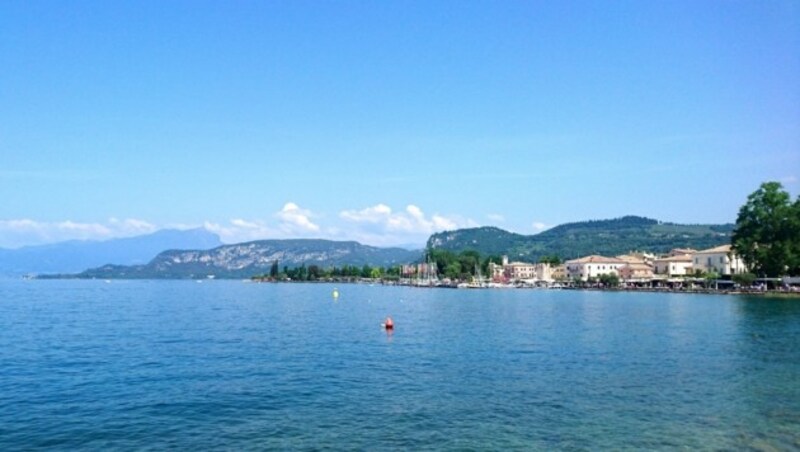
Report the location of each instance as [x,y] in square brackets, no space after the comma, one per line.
[227,364]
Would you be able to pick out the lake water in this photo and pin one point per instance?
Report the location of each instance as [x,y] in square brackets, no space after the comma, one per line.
[233,365]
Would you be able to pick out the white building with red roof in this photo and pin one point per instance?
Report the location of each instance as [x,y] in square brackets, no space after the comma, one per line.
[593,266]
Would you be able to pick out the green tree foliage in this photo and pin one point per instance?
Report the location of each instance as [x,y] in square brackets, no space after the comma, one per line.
[571,240]
[366,271]
[552,260]
[494,259]
[470,261]
[453,270]
[767,233]
[794,232]
[442,258]
[462,266]
[609,279]
[314,272]
[273,271]
[744,279]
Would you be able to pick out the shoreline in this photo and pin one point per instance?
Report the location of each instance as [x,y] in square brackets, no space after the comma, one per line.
[781,294]
[777,294]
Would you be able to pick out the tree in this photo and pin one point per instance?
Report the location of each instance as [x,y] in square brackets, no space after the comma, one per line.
[710,277]
[794,244]
[744,279]
[273,271]
[453,270]
[469,263]
[768,231]
[553,260]
[609,279]
[494,259]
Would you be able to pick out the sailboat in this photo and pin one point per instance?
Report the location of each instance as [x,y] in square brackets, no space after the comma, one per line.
[428,277]
[476,283]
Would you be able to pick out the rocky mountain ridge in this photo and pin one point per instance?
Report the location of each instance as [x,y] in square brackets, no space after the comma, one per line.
[244,260]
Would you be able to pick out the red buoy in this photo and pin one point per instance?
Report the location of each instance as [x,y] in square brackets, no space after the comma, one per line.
[389,323]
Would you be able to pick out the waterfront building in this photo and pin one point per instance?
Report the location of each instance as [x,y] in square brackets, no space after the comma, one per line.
[516,271]
[681,252]
[673,265]
[593,266]
[520,271]
[559,272]
[637,257]
[721,260]
[634,272]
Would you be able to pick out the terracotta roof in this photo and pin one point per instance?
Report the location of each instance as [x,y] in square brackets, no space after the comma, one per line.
[719,249]
[631,259]
[637,267]
[684,258]
[595,259]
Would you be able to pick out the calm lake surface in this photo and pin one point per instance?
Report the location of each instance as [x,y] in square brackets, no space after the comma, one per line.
[233,365]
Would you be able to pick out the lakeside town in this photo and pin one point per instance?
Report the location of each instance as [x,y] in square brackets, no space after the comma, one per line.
[713,269]
[763,256]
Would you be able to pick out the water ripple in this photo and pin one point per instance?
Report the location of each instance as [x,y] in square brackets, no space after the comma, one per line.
[224,365]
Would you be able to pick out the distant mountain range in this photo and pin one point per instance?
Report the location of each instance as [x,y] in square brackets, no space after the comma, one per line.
[199,253]
[76,255]
[244,260]
[572,240]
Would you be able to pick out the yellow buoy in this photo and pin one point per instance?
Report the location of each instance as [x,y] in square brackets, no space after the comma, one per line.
[335,294]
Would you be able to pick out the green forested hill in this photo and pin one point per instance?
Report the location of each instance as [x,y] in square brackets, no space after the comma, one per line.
[571,240]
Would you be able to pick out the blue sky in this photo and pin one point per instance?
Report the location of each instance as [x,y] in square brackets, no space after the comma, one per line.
[384,121]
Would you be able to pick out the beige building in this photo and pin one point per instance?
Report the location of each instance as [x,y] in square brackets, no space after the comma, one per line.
[720,260]
[635,272]
[559,272]
[674,265]
[593,266]
[636,257]
[519,271]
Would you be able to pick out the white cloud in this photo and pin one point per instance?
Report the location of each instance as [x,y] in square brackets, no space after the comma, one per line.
[788,180]
[441,223]
[376,225]
[375,214]
[23,232]
[244,224]
[379,225]
[239,230]
[294,218]
[133,226]
[538,226]
[496,218]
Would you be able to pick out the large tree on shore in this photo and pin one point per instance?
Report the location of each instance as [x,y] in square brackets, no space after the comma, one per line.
[767,233]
